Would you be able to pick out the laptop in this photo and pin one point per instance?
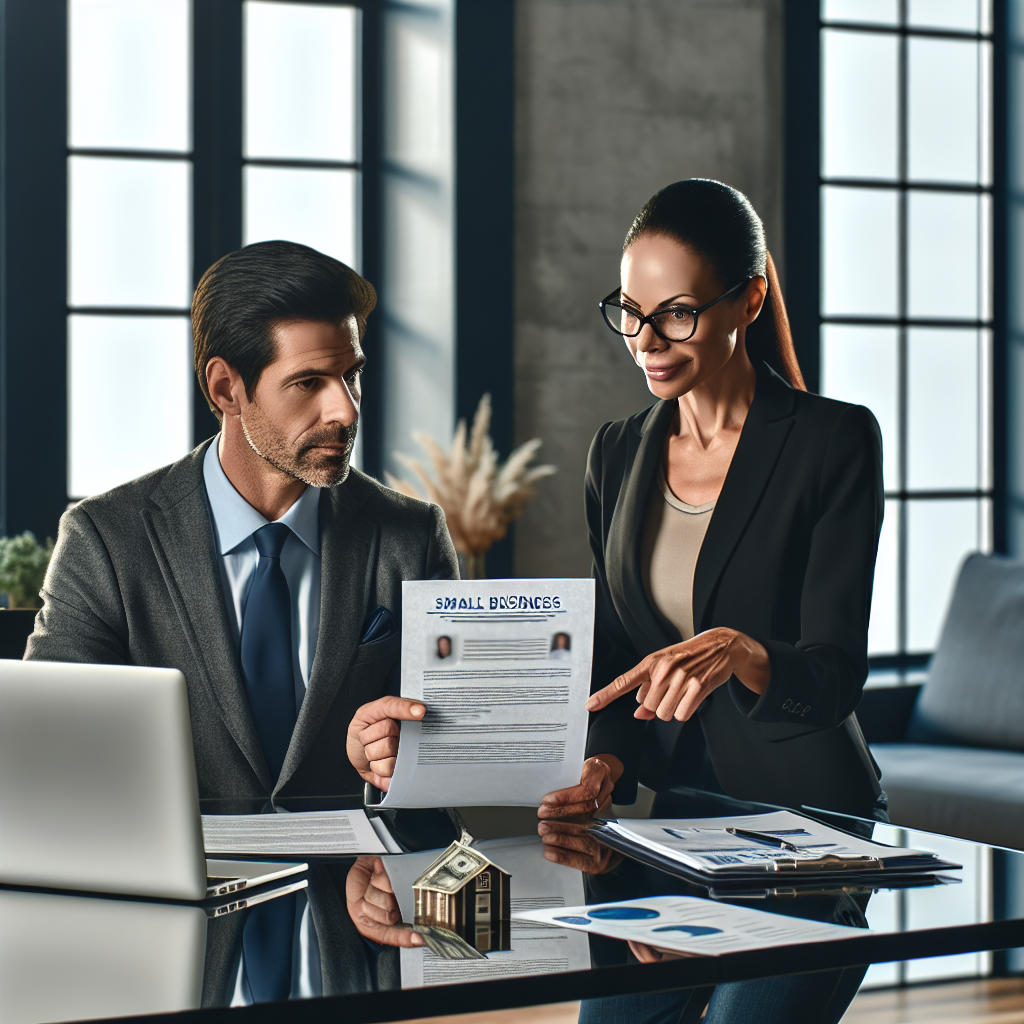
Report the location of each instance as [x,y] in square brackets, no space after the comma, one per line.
[98,786]
[87,956]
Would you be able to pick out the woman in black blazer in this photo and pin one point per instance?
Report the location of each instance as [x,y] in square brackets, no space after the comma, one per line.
[781,588]
[750,656]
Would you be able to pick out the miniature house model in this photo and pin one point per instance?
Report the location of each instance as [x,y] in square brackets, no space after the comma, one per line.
[467,894]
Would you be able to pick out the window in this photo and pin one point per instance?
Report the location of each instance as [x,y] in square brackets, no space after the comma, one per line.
[301,175]
[132,264]
[905,312]
[129,179]
[906,328]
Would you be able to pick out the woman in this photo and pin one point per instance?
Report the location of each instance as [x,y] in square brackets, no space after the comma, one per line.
[734,527]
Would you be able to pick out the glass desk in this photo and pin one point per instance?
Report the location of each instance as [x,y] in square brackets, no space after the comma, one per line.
[72,957]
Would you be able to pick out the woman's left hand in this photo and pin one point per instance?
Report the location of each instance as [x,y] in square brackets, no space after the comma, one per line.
[592,796]
[653,955]
[674,681]
[567,843]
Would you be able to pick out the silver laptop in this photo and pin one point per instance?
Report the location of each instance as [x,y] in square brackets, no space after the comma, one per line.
[98,785]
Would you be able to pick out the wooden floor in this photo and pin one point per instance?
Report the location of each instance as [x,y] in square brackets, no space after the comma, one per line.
[994,1001]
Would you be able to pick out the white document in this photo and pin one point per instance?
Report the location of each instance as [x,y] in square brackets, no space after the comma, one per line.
[537,948]
[303,833]
[503,667]
[707,845]
[686,924]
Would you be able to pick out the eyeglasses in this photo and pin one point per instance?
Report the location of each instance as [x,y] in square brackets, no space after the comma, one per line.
[675,323]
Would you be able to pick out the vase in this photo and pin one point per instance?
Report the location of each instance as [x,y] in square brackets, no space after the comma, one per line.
[473,565]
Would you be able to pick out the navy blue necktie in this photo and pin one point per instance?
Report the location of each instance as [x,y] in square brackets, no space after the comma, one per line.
[267,648]
[267,948]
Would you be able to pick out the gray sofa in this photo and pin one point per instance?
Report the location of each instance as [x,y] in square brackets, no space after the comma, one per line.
[952,751]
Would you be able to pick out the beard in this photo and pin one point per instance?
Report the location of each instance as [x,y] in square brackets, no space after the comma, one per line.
[305,459]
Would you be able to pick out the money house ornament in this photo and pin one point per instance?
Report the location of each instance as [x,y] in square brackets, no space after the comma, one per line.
[467,894]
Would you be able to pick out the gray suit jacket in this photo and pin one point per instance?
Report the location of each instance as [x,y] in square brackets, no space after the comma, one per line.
[134,580]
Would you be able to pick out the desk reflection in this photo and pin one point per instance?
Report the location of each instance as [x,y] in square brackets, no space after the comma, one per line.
[65,957]
[77,957]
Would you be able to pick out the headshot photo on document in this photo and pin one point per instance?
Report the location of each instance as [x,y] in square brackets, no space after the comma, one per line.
[561,647]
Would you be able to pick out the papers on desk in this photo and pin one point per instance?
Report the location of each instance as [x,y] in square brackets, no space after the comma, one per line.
[299,834]
[685,924]
[536,948]
[503,667]
[779,843]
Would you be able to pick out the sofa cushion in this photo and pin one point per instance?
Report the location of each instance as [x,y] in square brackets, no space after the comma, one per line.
[975,689]
[957,791]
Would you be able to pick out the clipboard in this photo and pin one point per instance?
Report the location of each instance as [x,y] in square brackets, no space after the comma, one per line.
[741,867]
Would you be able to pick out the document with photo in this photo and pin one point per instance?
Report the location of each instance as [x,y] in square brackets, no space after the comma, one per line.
[688,925]
[537,948]
[503,667]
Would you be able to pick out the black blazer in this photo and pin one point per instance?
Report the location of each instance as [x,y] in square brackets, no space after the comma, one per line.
[788,559]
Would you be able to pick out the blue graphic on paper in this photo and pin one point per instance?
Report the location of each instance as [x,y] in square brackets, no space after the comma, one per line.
[622,914]
[693,930]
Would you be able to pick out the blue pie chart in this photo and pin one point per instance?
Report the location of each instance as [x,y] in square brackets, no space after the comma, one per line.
[693,930]
[622,914]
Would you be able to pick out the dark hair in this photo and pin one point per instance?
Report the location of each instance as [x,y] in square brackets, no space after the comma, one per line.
[246,294]
[718,223]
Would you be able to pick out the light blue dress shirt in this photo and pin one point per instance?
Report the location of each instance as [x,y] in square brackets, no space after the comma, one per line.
[234,523]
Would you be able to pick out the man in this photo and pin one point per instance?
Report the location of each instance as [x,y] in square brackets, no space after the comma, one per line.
[260,565]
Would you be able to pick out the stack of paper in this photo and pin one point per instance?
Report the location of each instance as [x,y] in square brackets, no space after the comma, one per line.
[753,845]
[302,834]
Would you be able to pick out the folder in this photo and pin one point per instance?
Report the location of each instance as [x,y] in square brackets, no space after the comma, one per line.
[773,849]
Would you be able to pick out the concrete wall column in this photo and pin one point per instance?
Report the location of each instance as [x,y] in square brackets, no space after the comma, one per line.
[614,100]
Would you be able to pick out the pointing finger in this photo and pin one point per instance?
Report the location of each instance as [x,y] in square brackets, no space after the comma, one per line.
[623,684]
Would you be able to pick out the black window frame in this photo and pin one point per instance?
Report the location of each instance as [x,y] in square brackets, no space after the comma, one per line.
[34,211]
[803,183]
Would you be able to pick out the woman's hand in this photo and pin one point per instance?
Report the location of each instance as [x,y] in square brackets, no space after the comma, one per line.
[592,795]
[567,843]
[652,955]
[372,741]
[673,682]
[372,905]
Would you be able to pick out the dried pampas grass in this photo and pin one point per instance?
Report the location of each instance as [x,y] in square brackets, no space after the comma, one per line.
[479,498]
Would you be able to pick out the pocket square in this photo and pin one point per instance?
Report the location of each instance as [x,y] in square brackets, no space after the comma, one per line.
[380,624]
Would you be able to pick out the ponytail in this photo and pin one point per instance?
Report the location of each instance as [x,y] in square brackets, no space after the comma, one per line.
[769,337]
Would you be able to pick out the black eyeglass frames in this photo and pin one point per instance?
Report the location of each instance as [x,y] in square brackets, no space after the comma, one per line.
[674,323]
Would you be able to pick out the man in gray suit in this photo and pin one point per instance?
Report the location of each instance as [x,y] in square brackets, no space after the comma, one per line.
[260,565]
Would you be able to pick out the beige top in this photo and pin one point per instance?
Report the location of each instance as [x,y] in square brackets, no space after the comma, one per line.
[673,534]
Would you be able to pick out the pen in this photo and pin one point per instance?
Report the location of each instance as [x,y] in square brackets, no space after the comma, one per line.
[762,837]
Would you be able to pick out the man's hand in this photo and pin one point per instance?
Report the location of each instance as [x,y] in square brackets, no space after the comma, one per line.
[372,905]
[372,743]
[592,795]
[675,681]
